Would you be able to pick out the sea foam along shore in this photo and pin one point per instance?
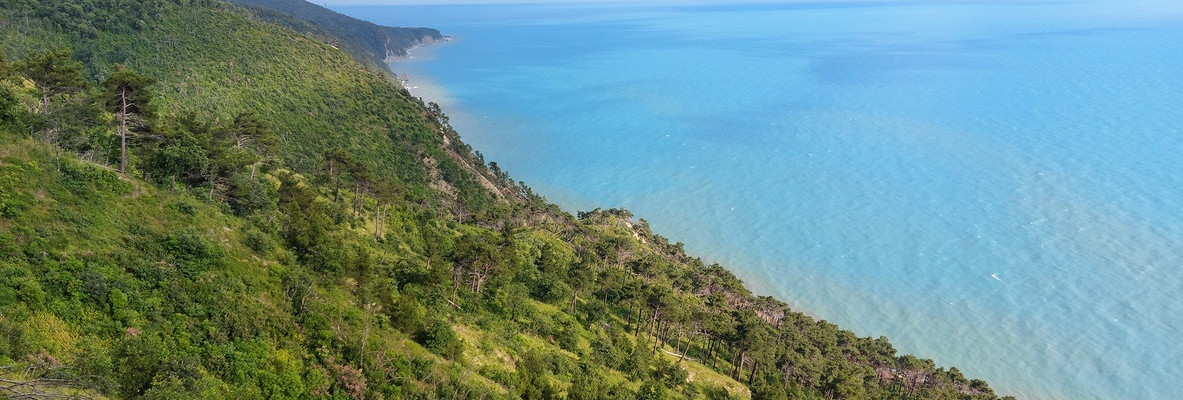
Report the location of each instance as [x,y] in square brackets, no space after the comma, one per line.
[420,84]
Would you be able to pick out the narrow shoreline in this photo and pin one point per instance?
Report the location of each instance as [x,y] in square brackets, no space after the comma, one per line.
[426,41]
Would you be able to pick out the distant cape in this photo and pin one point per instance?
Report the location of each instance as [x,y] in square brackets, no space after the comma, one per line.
[367,41]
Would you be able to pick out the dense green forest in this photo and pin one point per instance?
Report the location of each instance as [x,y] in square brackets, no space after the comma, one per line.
[198,203]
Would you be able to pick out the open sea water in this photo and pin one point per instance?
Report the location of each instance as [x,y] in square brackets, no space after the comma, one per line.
[996,185]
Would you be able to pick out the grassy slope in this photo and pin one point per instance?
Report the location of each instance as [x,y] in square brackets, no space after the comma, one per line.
[189,286]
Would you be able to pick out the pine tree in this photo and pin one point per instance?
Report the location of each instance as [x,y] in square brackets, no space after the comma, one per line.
[54,74]
[128,97]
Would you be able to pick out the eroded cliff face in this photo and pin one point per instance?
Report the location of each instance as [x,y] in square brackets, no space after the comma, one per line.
[401,40]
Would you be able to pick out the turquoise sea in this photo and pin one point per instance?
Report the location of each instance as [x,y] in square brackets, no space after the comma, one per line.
[997,185]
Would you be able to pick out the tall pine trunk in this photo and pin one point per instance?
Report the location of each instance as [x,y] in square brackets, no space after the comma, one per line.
[653,322]
[45,112]
[711,353]
[378,219]
[751,375]
[337,181]
[657,337]
[574,298]
[734,354]
[640,315]
[356,199]
[687,349]
[739,368]
[123,131]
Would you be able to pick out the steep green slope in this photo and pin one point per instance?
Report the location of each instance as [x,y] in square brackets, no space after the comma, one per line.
[291,225]
[128,291]
[211,58]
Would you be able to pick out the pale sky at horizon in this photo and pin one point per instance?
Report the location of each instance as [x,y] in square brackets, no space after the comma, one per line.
[432,2]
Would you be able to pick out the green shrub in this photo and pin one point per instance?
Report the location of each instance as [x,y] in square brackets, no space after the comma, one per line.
[439,337]
[11,205]
[258,241]
[87,180]
[191,254]
[185,208]
[46,332]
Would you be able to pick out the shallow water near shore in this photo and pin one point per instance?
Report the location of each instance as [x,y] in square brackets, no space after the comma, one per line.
[996,186]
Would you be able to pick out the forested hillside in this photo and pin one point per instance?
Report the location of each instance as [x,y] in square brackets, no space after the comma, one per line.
[196,203]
